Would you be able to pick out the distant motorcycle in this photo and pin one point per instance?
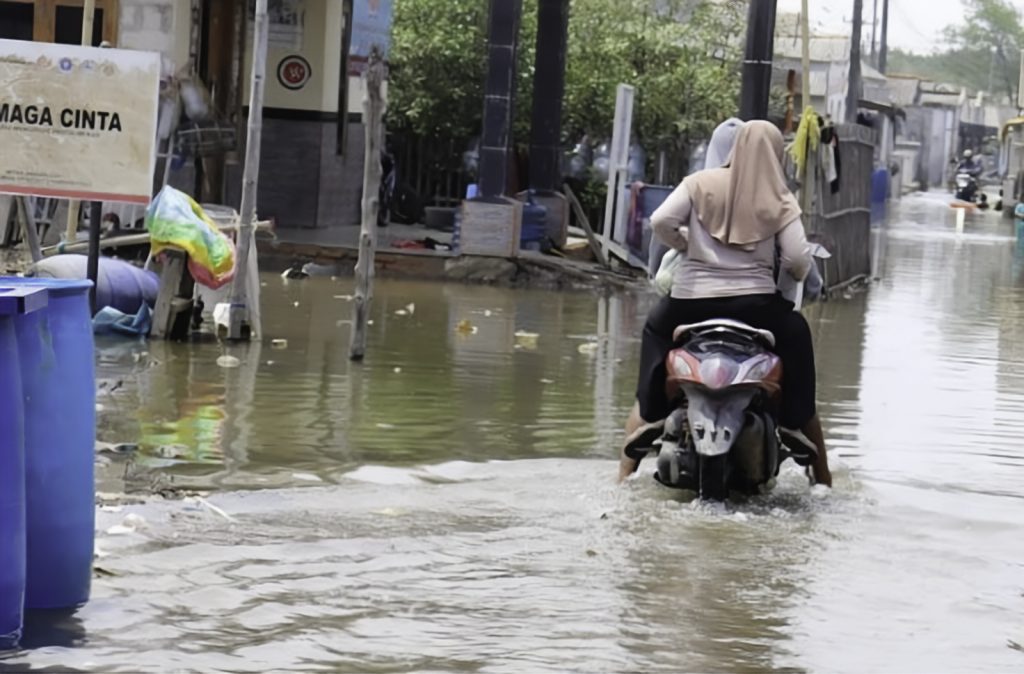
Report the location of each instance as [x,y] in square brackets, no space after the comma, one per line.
[966,186]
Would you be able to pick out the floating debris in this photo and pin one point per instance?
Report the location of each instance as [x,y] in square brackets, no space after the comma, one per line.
[344,298]
[464,327]
[587,348]
[228,361]
[279,344]
[526,340]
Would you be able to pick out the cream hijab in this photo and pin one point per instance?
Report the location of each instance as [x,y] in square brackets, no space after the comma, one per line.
[747,201]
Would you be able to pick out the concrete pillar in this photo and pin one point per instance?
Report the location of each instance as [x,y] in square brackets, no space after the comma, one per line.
[499,95]
[548,92]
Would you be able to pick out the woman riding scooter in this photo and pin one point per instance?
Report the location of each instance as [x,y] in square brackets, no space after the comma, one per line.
[730,221]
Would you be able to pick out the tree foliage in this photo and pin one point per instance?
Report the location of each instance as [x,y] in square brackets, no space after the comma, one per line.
[966,68]
[681,55]
[992,25]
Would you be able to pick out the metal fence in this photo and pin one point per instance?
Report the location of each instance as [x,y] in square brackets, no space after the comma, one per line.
[431,167]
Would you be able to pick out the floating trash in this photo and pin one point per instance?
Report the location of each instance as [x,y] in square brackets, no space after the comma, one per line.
[527,340]
[228,361]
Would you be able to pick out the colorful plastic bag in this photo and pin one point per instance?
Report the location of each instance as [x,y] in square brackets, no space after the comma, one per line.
[175,220]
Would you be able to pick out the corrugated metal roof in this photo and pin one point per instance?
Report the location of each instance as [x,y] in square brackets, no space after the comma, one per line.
[903,90]
[826,48]
[869,73]
[819,79]
[944,98]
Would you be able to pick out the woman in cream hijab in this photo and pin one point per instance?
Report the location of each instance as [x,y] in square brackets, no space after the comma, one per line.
[729,222]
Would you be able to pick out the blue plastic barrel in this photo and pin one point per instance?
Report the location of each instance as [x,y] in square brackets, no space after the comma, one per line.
[12,467]
[55,347]
[120,285]
[879,186]
[534,225]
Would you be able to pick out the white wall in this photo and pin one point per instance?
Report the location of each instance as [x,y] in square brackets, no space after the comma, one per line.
[157,25]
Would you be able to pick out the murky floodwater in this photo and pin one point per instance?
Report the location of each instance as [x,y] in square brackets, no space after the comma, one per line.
[449,505]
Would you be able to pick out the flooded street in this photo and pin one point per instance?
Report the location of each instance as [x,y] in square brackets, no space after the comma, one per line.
[449,505]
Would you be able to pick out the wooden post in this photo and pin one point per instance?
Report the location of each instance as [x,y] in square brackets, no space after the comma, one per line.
[172,314]
[807,191]
[75,207]
[373,123]
[581,217]
[238,326]
[28,228]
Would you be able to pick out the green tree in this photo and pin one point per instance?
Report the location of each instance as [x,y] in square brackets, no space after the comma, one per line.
[438,59]
[682,56]
[996,25]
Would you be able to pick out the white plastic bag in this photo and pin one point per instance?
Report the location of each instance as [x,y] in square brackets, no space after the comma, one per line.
[662,281]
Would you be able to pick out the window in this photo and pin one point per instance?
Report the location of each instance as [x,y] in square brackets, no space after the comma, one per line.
[16,20]
[68,26]
[56,21]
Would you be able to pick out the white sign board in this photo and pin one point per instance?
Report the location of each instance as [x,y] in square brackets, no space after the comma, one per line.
[78,122]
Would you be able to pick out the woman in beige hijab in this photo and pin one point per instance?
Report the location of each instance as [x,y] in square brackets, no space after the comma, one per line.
[729,222]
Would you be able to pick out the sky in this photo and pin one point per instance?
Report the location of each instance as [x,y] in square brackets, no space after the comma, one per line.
[916,25]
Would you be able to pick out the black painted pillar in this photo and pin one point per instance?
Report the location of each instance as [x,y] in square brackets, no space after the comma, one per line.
[757,60]
[548,92]
[499,95]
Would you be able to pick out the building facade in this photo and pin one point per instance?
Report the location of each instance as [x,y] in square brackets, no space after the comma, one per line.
[312,148]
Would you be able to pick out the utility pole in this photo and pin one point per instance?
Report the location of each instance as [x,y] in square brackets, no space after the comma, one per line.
[499,95]
[874,25]
[853,80]
[883,52]
[757,60]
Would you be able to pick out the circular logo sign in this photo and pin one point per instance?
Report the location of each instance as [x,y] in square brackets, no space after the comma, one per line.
[293,72]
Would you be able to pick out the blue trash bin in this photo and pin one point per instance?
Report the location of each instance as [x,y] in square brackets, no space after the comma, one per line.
[13,305]
[879,186]
[55,347]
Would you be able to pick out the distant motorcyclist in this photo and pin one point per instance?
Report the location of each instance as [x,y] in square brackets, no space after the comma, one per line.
[969,165]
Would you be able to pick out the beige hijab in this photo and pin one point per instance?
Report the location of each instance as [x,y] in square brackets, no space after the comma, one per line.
[747,201]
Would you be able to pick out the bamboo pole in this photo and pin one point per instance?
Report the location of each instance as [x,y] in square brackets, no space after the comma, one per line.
[75,207]
[810,165]
[239,322]
[373,123]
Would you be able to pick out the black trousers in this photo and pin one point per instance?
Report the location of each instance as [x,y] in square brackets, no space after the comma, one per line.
[793,345]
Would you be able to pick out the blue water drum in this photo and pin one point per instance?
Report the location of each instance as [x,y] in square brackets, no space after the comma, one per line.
[534,225]
[58,379]
[13,305]
[879,186]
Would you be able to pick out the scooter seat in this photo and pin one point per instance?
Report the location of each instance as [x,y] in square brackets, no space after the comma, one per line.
[725,325]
